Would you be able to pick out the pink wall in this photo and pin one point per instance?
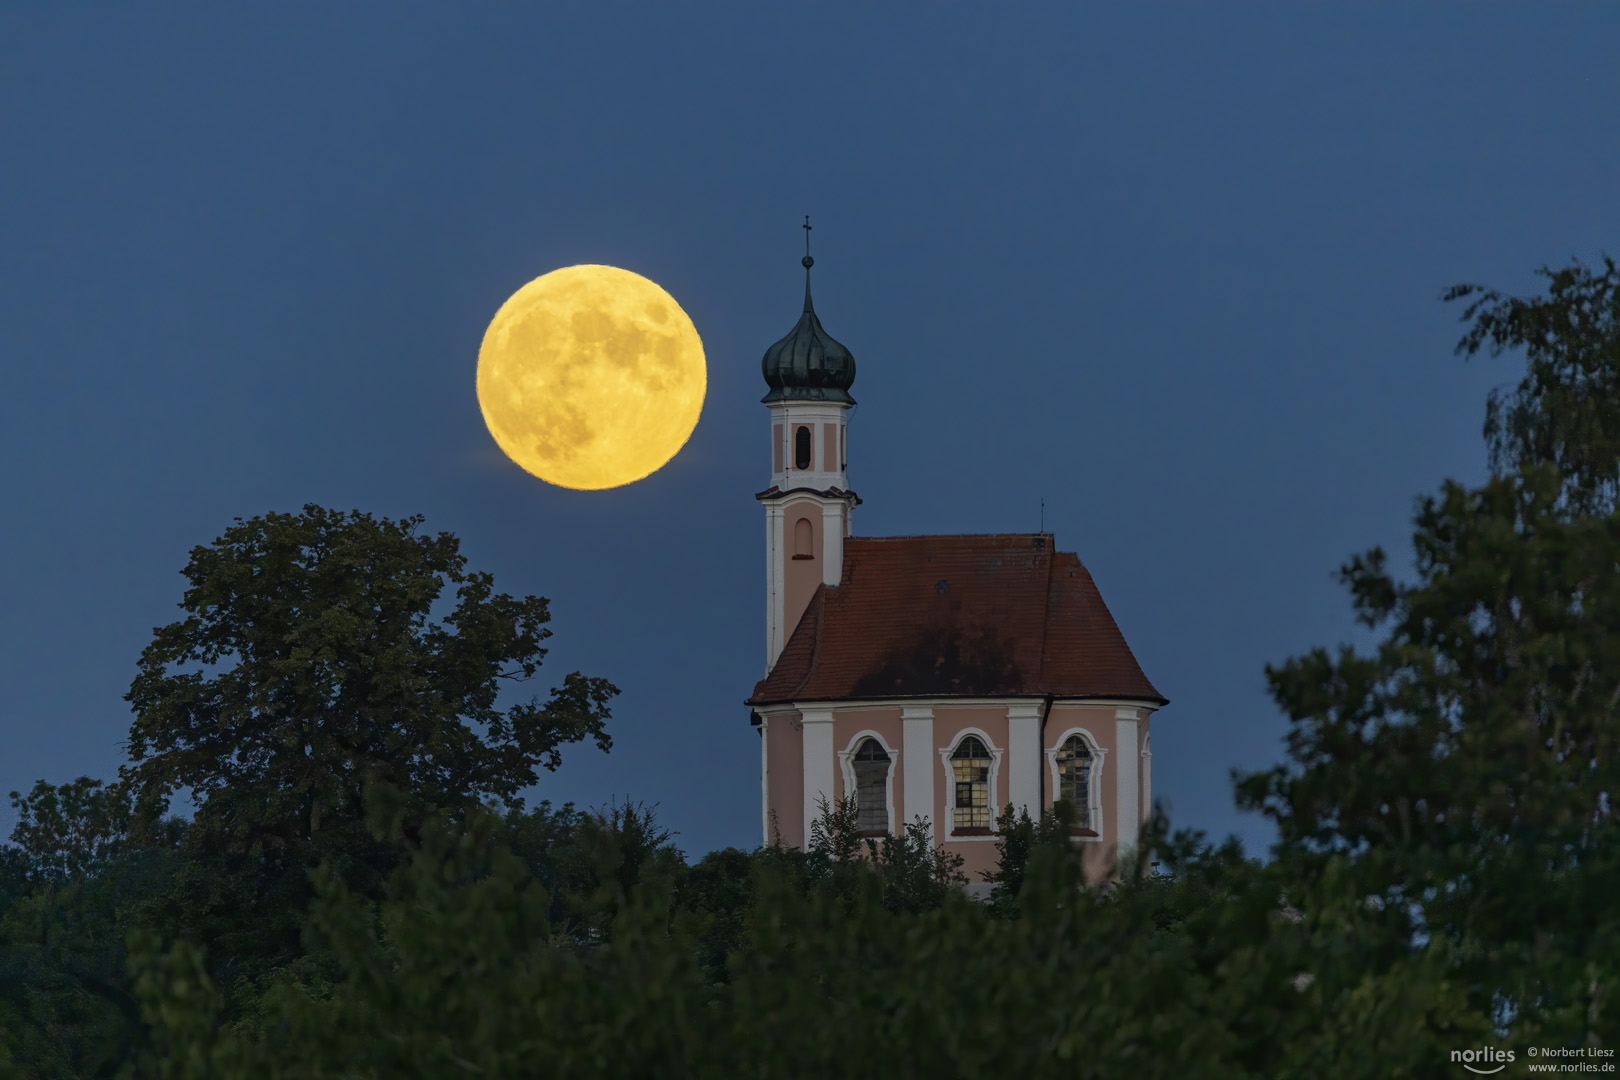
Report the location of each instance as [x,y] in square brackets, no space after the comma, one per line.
[803,576]
[886,724]
[785,768]
[804,538]
[784,776]
[979,855]
[1099,723]
[829,447]
[776,448]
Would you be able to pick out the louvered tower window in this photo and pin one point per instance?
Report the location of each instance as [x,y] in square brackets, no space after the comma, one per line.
[872,786]
[801,448]
[970,766]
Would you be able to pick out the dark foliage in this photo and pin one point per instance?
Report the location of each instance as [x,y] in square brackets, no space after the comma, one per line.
[308,667]
[1562,413]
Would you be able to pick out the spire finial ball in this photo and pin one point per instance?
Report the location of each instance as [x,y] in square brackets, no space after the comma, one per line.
[808,262]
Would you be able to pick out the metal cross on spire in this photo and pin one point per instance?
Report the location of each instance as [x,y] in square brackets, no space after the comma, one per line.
[808,261]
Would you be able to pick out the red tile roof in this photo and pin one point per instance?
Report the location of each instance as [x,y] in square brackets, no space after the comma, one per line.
[956,616]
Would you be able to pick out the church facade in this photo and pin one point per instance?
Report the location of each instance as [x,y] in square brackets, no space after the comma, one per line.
[940,677]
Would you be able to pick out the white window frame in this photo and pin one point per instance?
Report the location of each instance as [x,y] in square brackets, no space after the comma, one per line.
[846,761]
[948,816]
[1093,782]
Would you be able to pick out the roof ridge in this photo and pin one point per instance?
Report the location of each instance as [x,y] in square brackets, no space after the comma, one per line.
[957,536]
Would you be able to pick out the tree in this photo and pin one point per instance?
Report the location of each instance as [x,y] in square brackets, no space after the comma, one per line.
[307,666]
[910,871]
[1463,771]
[1018,836]
[66,892]
[458,970]
[1562,412]
[72,829]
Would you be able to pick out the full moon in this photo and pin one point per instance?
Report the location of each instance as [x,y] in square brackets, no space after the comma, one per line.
[591,377]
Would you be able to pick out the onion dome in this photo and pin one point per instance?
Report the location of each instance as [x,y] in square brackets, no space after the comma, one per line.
[808,365]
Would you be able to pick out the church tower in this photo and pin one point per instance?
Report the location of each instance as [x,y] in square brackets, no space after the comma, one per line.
[808,505]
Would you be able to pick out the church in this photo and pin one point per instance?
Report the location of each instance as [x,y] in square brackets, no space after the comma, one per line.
[941,677]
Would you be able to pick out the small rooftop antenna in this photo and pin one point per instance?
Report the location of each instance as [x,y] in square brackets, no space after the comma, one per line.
[1043,514]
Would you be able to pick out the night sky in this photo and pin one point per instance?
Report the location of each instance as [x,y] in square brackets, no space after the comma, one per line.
[1174,269]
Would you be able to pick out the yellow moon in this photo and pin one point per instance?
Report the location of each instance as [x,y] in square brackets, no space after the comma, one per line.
[591,377]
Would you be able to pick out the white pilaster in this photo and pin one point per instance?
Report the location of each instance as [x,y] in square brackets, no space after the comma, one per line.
[775,586]
[916,755]
[1147,778]
[832,544]
[764,780]
[1129,802]
[1024,757]
[818,764]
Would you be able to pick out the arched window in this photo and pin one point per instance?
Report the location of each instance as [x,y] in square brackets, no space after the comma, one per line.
[872,786]
[801,448]
[803,540]
[970,768]
[1074,778]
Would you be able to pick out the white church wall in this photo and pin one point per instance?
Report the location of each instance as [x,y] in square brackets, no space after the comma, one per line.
[806,747]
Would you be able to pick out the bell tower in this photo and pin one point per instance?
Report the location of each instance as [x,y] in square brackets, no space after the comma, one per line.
[808,505]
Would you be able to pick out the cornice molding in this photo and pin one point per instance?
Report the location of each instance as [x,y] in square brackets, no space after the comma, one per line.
[775,494]
[870,704]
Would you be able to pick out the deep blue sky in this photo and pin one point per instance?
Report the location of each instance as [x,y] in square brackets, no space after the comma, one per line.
[1175,269]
